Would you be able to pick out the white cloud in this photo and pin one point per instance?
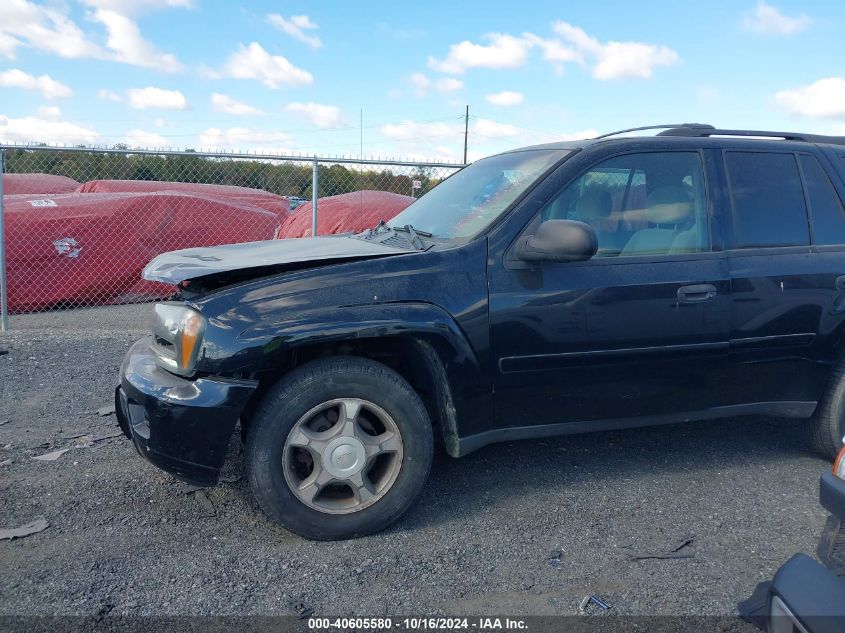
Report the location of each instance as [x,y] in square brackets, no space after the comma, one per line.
[824,98]
[238,138]
[156,98]
[579,136]
[223,103]
[324,116]
[45,28]
[412,130]
[492,129]
[608,60]
[46,85]
[32,129]
[159,122]
[444,140]
[49,28]
[296,27]
[503,51]
[616,60]
[51,113]
[764,19]
[107,95]
[129,7]
[506,98]
[420,151]
[130,47]
[8,44]
[142,139]
[421,84]
[449,84]
[553,50]
[274,71]
[424,131]
[488,137]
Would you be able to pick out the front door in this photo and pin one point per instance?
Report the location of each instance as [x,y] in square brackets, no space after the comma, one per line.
[639,330]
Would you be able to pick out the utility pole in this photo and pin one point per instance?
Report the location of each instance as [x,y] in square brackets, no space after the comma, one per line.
[466,134]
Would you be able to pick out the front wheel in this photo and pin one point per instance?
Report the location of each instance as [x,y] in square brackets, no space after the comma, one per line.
[827,426]
[339,448]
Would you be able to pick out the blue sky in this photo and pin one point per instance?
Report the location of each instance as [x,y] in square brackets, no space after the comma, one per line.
[294,76]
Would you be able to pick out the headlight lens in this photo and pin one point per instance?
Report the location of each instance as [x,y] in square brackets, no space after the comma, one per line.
[177,334]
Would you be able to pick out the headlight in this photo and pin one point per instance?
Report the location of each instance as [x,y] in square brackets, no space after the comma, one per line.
[839,464]
[177,337]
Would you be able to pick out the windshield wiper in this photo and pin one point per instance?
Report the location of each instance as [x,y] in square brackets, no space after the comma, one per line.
[386,234]
[414,235]
[410,229]
[375,230]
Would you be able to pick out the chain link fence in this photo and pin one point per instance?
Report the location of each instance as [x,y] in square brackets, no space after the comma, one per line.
[80,223]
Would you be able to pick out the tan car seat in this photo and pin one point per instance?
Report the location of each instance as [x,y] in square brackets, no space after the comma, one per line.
[670,210]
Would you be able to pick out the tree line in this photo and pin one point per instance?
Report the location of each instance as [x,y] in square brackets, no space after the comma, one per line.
[282,177]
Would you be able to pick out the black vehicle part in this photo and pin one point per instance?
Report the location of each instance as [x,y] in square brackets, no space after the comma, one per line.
[182,426]
[559,241]
[832,495]
[656,127]
[813,595]
[827,426]
[282,411]
[700,130]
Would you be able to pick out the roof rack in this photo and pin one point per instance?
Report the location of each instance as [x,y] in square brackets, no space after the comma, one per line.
[668,126]
[701,131]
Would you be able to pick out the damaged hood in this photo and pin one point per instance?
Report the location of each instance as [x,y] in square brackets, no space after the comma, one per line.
[191,263]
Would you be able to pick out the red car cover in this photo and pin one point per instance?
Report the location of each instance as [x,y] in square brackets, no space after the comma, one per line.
[348,212]
[257,197]
[37,183]
[75,249]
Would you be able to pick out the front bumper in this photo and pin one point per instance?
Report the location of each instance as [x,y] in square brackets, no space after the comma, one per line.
[803,591]
[182,426]
[804,595]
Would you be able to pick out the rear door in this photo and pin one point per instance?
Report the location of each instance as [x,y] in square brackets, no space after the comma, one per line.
[787,268]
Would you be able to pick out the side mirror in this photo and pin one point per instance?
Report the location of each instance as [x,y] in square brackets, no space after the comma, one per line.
[558,241]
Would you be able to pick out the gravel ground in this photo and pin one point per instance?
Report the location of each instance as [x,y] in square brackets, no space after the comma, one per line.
[524,528]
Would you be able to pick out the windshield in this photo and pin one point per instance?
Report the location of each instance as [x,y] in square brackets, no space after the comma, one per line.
[463,205]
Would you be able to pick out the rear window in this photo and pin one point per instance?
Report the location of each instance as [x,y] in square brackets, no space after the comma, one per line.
[825,206]
[768,200]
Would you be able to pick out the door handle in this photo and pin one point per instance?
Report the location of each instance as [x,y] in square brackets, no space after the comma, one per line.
[696,293]
[840,282]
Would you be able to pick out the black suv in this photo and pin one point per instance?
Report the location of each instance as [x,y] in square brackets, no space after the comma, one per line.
[563,288]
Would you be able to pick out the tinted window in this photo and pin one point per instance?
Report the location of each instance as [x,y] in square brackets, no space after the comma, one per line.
[640,204]
[825,205]
[768,200]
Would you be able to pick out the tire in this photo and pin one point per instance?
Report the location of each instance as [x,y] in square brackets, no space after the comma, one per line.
[289,430]
[827,425]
